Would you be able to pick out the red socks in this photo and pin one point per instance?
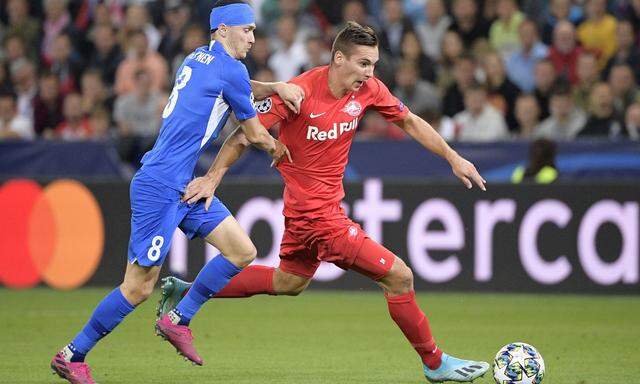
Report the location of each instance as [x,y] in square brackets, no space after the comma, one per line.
[253,280]
[405,312]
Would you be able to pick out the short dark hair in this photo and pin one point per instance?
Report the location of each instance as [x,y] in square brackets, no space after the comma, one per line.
[353,34]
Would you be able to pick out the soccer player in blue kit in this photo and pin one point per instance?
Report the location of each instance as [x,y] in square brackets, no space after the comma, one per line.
[210,84]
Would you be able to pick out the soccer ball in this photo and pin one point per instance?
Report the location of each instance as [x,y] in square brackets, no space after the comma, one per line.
[518,363]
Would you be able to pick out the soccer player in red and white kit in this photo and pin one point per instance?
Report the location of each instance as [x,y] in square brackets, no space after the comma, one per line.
[316,227]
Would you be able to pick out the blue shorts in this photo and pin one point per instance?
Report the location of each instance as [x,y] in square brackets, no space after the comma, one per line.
[156,212]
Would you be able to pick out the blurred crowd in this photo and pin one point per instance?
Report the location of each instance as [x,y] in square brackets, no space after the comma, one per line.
[478,70]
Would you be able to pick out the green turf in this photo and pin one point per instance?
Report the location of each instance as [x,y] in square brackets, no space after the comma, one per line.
[324,338]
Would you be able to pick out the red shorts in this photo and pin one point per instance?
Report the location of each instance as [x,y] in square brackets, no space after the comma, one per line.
[333,238]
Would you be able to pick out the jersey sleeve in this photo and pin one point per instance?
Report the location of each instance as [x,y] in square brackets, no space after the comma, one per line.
[389,106]
[272,110]
[237,92]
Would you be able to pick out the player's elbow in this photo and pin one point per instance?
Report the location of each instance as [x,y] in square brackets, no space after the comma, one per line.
[409,123]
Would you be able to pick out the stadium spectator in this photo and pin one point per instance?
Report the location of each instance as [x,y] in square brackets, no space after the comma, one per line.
[602,121]
[624,88]
[480,121]
[632,121]
[57,21]
[265,75]
[560,10]
[527,114]
[520,65]
[12,125]
[75,125]
[24,80]
[452,49]
[66,63]
[273,10]
[468,22]
[100,121]
[503,34]
[20,23]
[564,52]
[14,49]
[628,52]
[138,116]
[290,53]
[376,127]
[47,105]
[501,91]
[317,53]
[545,78]
[95,94]
[541,167]
[260,54]
[140,56]
[598,32]
[137,19]
[418,94]
[464,75]
[107,53]
[412,51]
[176,19]
[629,10]
[587,75]
[109,14]
[194,37]
[352,10]
[394,25]
[566,119]
[432,30]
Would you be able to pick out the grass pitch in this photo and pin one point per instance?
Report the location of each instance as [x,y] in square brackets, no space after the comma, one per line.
[324,337]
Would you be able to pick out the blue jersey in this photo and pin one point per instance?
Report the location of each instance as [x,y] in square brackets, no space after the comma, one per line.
[209,85]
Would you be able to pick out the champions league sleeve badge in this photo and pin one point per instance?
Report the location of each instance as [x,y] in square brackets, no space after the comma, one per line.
[263,106]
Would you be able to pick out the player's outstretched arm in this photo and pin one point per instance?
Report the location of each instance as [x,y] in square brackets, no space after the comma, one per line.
[291,94]
[423,132]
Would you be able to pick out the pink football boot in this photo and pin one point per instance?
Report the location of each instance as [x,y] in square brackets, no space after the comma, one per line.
[180,337]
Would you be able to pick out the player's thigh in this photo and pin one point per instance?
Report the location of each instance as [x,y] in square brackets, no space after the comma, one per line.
[155,214]
[374,260]
[232,241]
[296,259]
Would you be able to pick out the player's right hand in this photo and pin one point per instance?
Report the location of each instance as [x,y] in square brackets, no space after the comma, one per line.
[279,154]
[203,187]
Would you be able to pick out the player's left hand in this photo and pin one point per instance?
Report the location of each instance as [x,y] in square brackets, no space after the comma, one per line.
[291,94]
[201,188]
[467,172]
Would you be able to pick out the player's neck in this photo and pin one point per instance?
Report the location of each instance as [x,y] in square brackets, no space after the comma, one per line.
[337,89]
[225,45]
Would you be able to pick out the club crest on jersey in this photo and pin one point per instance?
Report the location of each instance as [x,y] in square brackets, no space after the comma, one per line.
[353,108]
[263,106]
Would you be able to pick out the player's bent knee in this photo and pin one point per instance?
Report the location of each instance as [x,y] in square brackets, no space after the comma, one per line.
[245,256]
[399,280]
[136,294]
[289,284]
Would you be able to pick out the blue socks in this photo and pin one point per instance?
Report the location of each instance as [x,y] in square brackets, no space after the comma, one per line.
[107,315]
[211,279]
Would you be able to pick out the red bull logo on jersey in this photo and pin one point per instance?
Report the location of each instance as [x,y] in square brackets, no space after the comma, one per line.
[314,133]
[353,108]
